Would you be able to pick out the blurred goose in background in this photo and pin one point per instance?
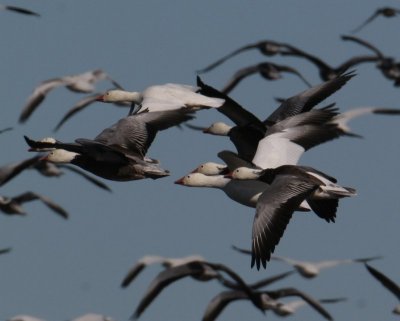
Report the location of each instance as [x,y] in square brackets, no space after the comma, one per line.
[6,250]
[163,97]
[82,104]
[266,47]
[5,130]
[8,172]
[199,270]
[23,317]
[81,83]
[387,283]
[267,70]
[326,71]
[13,205]
[387,12]
[92,317]
[268,299]
[147,260]
[19,10]
[389,67]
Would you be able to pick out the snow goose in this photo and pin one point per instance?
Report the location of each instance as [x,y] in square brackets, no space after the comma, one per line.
[13,205]
[118,152]
[387,283]
[19,10]
[387,12]
[267,70]
[147,260]
[266,47]
[268,301]
[249,129]
[81,83]
[164,97]
[288,186]
[199,270]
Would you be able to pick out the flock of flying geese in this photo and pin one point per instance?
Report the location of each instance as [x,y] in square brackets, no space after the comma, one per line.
[262,173]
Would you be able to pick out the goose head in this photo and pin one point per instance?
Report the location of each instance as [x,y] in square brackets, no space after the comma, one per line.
[60,156]
[210,168]
[218,128]
[242,173]
[201,180]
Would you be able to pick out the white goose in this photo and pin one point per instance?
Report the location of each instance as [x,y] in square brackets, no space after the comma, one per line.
[163,97]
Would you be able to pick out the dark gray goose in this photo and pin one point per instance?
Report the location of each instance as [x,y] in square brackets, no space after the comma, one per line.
[387,283]
[19,10]
[267,70]
[119,151]
[266,47]
[268,299]
[199,270]
[81,83]
[387,12]
[13,205]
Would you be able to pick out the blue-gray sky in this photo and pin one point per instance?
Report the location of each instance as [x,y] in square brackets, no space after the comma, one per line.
[61,269]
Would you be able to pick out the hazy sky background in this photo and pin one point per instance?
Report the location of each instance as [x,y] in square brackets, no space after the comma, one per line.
[60,269]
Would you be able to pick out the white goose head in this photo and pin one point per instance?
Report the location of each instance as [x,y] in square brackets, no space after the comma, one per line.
[245,173]
[218,128]
[60,156]
[210,168]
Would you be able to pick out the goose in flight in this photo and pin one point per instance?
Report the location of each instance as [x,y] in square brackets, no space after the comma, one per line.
[81,83]
[267,70]
[199,270]
[119,151]
[387,283]
[13,205]
[266,47]
[164,97]
[19,10]
[92,317]
[147,260]
[288,186]
[268,301]
[387,12]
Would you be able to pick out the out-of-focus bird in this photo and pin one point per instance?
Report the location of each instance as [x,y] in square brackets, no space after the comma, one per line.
[8,172]
[199,270]
[266,47]
[92,317]
[82,104]
[24,317]
[6,250]
[387,12]
[147,260]
[326,71]
[387,283]
[19,10]
[5,130]
[268,301]
[81,83]
[13,205]
[267,70]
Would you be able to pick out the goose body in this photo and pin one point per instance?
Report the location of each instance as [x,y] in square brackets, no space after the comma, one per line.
[164,97]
